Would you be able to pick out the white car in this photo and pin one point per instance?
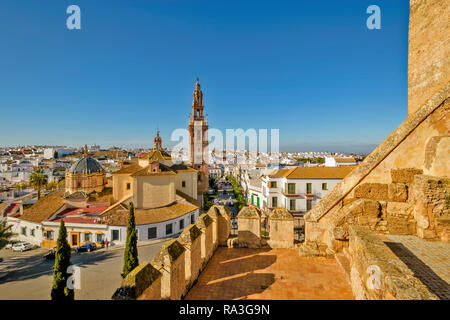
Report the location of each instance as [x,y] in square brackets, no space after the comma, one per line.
[22,246]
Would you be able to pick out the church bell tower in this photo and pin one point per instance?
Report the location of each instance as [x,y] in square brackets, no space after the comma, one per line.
[198,144]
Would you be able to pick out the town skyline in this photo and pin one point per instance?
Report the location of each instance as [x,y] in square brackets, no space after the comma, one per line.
[279,68]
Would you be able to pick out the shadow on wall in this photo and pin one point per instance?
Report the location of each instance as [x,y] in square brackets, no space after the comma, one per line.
[249,237]
[424,273]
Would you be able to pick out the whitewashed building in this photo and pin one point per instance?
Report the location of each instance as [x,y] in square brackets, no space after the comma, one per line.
[299,189]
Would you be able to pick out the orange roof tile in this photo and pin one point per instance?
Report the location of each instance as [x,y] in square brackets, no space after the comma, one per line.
[319,172]
[44,208]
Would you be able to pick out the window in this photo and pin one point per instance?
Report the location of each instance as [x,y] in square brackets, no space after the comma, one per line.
[308,204]
[181,224]
[32,232]
[168,229]
[309,188]
[24,231]
[151,233]
[78,184]
[48,235]
[193,219]
[290,188]
[87,237]
[292,204]
[99,237]
[274,202]
[128,186]
[115,235]
[273,184]
[324,186]
[183,184]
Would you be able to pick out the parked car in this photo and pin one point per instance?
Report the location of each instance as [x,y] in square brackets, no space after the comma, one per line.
[50,255]
[22,246]
[11,243]
[88,246]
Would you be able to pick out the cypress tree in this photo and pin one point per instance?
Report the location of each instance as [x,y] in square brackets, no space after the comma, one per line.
[131,260]
[60,291]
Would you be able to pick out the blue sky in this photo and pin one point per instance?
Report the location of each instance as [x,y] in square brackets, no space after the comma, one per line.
[310,68]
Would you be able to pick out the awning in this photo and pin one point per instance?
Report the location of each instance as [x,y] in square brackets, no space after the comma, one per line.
[86,232]
[99,232]
[48,229]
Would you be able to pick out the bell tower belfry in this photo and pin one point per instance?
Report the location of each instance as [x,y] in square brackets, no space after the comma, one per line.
[198,139]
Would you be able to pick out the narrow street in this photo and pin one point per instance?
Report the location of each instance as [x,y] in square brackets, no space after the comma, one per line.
[29,277]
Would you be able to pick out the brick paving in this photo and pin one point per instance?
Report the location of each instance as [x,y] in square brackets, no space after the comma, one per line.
[274,274]
[429,260]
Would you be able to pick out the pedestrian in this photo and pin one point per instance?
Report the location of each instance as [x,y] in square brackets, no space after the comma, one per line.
[107,243]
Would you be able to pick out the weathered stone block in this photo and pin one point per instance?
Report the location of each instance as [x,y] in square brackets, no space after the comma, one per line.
[376,191]
[190,238]
[205,225]
[170,261]
[405,175]
[142,283]
[398,192]
[399,209]
[400,225]
[281,229]
[249,227]
[221,216]
[368,255]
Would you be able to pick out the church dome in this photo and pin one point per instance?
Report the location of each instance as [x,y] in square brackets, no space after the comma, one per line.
[86,165]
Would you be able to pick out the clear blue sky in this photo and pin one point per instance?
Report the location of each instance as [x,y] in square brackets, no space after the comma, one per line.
[310,68]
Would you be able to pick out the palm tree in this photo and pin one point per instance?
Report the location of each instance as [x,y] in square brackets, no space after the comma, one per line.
[5,233]
[38,179]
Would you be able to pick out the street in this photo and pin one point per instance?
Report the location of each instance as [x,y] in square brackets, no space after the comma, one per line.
[29,277]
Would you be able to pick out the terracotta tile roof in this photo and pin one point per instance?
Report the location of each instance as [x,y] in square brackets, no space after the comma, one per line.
[132,168]
[105,196]
[183,167]
[279,173]
[157,155]
[76,195]
[319,172]
[118,216]
[188,198]
[165,170]
[81,215]
[44,208]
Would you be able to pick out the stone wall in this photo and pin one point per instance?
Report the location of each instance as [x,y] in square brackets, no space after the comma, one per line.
[428,62]
[205,225]
[281,229]
[221,216]
[249,227]
[190,238]
[170,262]
[412,204]
[144,281]
[178,264]
[379,193]
[430,197]
[376,273]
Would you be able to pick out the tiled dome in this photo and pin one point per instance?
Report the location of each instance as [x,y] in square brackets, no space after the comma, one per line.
[86,165]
